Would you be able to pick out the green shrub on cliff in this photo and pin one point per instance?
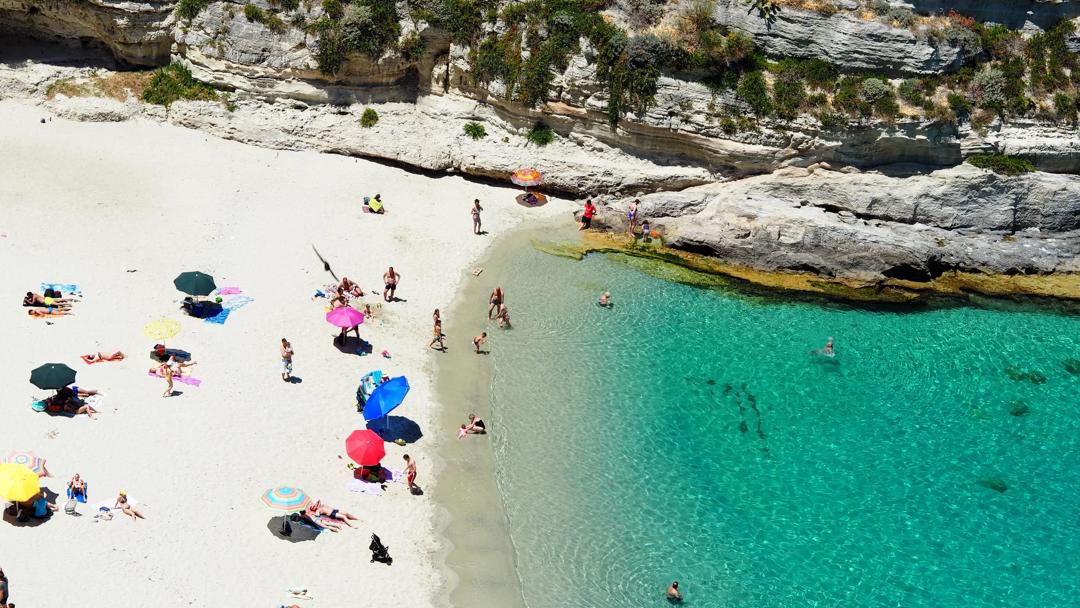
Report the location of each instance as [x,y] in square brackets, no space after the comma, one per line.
[189,9]
[369,118]
[541,134]
[475,130]
[253,13]
[1001,163]
[753,90]
[175,82]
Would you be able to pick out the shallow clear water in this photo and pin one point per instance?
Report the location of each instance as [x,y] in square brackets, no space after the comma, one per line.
[691,434]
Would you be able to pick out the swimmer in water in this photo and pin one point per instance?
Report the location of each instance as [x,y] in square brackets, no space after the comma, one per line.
[673,593]
[605,299]
[827,350]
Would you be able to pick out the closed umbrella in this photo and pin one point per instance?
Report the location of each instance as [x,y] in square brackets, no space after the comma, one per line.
[18,483]
[162,329]
[27,459]
[365,447]
[195,283]
[526,176]
[285,498]
[386,397]
[346,316]
[52,376]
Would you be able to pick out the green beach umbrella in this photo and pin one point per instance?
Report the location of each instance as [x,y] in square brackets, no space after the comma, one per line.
[195,283]
[52,376]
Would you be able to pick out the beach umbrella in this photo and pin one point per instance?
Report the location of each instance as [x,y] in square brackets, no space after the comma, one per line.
[345,316]
[52,376]
[18,483]
[526,176]
[195,283]
[365,447]
[386,397]
[286,498]
[162,329]
[27,459]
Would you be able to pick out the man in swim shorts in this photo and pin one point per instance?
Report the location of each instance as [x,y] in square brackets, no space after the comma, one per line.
[410,473]
[286,360]
[390,280]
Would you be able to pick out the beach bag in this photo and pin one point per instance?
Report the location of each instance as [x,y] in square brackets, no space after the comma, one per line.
[286,527]
[69,506]
[38,406]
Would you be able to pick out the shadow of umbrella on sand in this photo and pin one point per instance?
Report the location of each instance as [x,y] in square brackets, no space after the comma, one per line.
[299,533]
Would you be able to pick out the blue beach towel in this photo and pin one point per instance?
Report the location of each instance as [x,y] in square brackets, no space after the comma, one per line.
[62,287]
[229,304]
[79,497]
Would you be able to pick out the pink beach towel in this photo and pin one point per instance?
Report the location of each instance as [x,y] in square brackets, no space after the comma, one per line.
[228,291]
[181,379]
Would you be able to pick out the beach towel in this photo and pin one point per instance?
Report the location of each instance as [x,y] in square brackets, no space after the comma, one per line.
[108,505]
[70,288]
[375,489]
[228,291]
[190,381]
[83,357]
[227,306]
[48,315]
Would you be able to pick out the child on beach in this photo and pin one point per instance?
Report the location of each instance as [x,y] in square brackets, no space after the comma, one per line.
[478,341]
[410,473]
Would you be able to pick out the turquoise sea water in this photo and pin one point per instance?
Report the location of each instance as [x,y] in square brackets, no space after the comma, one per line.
[690,434]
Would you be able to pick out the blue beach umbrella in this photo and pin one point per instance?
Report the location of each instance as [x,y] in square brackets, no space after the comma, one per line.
[386,397]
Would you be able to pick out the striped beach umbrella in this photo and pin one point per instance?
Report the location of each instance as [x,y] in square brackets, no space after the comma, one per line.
[27,459]
[526,176]
[285,498]
[18,483]
[162,329]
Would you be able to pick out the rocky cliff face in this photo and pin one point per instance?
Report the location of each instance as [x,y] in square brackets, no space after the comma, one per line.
[872,226]
[138,33]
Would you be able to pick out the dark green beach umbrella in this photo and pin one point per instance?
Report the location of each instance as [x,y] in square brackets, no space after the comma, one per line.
[195,283]
[52,376]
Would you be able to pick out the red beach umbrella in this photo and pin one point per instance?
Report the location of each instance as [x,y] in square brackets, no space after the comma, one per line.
[526,176]
[365,447]
[346,316]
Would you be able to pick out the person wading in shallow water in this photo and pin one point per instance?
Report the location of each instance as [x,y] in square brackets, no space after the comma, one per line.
[673,593]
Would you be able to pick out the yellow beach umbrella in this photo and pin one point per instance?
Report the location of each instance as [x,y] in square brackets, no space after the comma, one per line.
[162,329]
[18,483]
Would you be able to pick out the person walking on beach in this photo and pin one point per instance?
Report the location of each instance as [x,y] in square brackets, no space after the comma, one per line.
[587,214]
[438,337]
[476,209]
[496,300]
[390,280]
[286,360]
[478,341]
[410,473]
[631,216]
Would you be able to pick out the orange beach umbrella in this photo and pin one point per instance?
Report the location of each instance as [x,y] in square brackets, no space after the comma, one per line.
[526,176]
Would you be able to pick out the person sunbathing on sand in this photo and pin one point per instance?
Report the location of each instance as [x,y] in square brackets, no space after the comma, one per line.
[127,508]
[100,357]
[77,485]
[33,312]
[33,299]
[316,510]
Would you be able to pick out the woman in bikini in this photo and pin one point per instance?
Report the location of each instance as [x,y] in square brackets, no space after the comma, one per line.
[100,357]
[495,301]
[631,216]
[127,508]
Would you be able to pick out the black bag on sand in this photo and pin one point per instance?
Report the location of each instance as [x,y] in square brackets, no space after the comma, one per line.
[379,552]
[286,527]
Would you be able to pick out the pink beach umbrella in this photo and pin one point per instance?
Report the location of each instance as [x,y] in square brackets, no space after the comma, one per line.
[346,317]
[27,459]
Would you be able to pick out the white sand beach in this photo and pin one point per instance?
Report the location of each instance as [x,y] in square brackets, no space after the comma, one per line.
[121,209]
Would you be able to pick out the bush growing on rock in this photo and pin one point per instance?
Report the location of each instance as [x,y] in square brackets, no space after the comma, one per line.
[333,9]
[988,89]
[832,121]
[958,103]
[753,90]
[189,9]
[968,41]
[1049,57]
[911,92]
[789,93]
[1065,107]
[371,27]
[412,47]
[475,130]
[289,5]
[253,13]
[369,118]
[541,134]
[873,89]
[175,82]
[1001,163]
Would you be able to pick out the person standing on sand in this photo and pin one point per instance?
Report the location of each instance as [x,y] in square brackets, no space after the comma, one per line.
[438,337]
[587,214]
[496,300]
[476,209]
[390,280]
[410,473]
[286,360]
[478,341]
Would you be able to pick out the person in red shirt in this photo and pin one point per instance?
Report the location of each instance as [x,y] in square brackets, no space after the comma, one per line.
[587,215]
